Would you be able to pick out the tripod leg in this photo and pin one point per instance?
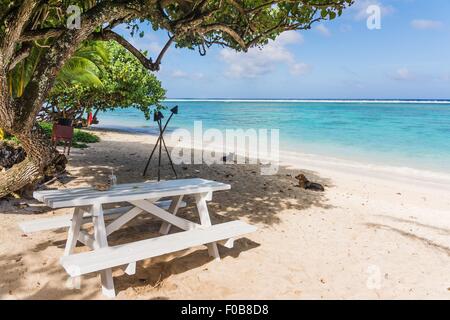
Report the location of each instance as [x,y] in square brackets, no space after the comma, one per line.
[170,159]
[159,156]
[161,132]
[151,155]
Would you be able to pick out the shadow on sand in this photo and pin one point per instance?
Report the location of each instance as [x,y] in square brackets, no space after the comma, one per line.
[253,197]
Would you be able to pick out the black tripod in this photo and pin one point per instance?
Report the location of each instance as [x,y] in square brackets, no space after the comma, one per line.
[160,142]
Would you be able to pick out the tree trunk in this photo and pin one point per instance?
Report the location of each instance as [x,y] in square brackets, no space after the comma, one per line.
[18,114]
[42,160]
[18,177]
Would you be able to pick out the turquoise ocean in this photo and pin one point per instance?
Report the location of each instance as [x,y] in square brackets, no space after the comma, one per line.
[409,134]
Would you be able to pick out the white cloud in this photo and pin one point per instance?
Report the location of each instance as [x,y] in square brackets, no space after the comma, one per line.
[147,43]
[180,74]
[257,62]
[422,24]
[403,74]
[323,30]
[289,37]
[360,9]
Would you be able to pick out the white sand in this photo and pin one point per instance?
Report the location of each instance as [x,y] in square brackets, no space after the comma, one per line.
[374,233]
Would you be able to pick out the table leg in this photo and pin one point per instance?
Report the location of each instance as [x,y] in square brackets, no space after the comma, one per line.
[74,231]
[101,240]
[174,206]
[205,220]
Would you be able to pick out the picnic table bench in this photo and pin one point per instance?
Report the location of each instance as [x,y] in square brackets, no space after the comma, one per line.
[144,198]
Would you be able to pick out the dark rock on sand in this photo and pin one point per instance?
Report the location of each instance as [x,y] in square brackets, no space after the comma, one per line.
[10,154]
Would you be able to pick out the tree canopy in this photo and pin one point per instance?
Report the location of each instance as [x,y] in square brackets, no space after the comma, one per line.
[123,83]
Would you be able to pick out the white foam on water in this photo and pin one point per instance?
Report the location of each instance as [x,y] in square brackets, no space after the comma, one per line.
[315,101]
[404,173]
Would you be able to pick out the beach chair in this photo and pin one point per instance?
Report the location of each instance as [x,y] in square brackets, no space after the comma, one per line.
[62,133]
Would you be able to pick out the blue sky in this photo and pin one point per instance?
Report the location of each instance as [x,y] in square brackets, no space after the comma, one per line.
[408,58]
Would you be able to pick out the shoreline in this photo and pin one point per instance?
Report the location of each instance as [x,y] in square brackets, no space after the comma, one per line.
[379,134]
[380,180]
[311,161]
[319,163]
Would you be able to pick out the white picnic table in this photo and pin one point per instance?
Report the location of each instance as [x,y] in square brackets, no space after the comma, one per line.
[143,198]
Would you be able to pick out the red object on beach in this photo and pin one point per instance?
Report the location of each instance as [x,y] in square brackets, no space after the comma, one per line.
[62,133]
[89,119]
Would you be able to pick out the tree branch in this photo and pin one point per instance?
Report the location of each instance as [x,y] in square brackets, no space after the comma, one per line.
[107,35]
[226,29]
[146,62]
[20,55]
[15,23]
[164,50]
[31,35]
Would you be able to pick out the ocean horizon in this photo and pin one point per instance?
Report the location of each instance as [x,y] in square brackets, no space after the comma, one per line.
[406,133]
[330,100]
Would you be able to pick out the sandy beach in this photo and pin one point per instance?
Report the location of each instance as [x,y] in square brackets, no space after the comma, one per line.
[374,234]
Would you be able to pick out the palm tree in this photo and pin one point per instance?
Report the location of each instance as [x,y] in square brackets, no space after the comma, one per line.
[84,68]
[84,65]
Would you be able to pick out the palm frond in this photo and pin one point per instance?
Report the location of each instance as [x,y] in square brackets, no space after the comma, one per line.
[81,70]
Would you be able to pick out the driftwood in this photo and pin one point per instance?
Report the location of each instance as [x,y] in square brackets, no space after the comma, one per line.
[304,183]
